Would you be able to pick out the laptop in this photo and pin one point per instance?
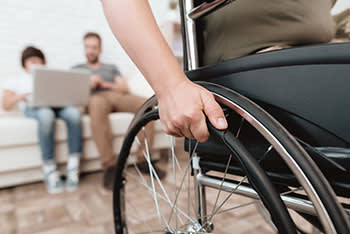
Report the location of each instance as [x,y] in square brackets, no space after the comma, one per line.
[59,88]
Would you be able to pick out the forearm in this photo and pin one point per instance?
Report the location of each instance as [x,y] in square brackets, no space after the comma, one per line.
[143,41]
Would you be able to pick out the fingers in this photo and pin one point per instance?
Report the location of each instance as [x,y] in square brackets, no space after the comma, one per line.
[179,127]
[186,131]
[193,127]
[213,111]
[183,111]
[167,127]
[171,130]
[175,124]
[199,128]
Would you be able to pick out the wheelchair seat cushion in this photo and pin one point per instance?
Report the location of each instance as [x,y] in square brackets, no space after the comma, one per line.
[305,87]
[335,53]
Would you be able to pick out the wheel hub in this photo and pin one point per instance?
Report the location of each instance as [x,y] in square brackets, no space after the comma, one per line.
[194,228]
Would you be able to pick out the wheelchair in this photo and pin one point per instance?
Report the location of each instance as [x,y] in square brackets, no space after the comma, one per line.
[284,159]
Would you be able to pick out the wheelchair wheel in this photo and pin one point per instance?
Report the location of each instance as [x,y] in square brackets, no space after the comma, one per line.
[207,187]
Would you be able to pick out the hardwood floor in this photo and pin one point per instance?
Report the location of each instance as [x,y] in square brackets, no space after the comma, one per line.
[31,210]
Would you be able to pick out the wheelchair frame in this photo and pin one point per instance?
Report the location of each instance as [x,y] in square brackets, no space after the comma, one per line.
[189,14]
[309,176]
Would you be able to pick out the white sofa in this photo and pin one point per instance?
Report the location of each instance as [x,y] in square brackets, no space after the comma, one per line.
[20,158]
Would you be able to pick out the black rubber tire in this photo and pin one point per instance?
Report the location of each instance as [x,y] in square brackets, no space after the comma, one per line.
[301,159]
[256,175]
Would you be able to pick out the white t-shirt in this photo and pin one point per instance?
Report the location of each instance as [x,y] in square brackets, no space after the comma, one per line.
[20,85]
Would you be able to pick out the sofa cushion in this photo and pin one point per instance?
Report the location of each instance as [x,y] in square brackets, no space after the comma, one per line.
[19,130]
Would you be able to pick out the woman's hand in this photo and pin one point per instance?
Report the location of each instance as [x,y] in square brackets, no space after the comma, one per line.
[183,108]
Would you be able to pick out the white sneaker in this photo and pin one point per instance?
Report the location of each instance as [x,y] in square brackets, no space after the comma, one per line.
[72,180]
[53,182]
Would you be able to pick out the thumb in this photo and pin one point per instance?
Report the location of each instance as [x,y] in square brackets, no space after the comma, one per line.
[214,112]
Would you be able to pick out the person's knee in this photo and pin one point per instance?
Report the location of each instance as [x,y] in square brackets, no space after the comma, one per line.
[97,105]
[137,102]
[46,118]
[73,115]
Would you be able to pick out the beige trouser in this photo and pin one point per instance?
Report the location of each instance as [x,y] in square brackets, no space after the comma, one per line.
[246,26]
[100,106]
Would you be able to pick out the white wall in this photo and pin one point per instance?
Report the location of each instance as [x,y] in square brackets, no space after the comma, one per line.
[341,5]
[57,27]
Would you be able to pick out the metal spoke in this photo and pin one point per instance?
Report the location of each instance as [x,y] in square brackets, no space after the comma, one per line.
[266,153]
[215,212]
[292,191]
[236,207]
[161,186]
[189,184]
[184,170]
[229,209]
[145,183]
[175,189]
[139,173]
[240,127]
[191,156]
[149,189]
[172,147]
[143,219]
[182,181]
[222,182]
[226,199]
[239,184]
[232,208]
[180,189]
[155,198]
[156,175]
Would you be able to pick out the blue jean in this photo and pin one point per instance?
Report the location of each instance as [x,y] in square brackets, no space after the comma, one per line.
[46,128]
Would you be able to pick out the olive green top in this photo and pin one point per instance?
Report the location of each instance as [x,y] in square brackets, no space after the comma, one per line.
[245,26]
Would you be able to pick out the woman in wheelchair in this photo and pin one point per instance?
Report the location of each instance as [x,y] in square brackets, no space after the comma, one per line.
[278,121]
